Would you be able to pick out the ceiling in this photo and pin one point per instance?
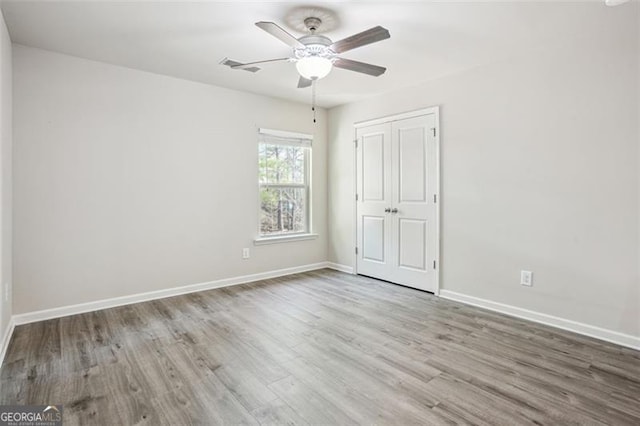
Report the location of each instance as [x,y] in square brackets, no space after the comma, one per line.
[188,40]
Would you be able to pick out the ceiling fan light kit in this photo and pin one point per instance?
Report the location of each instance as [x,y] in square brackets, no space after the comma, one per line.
[314,67]
[315,60]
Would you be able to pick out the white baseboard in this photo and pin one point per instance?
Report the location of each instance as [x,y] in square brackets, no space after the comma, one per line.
[6,338]
[160,294]
[611,336]
[339,267]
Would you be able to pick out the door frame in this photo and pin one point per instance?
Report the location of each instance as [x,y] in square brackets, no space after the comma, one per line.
[387,119]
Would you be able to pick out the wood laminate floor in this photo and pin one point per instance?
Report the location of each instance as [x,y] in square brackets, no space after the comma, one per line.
[317,348]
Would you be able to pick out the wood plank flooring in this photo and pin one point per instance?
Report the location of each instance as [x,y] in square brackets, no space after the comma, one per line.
[317,348]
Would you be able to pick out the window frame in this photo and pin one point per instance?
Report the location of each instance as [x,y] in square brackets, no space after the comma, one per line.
[285,138]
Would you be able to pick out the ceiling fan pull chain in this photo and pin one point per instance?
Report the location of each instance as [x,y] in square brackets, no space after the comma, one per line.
[313,98]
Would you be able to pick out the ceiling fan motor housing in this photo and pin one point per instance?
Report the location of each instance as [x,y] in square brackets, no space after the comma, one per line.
[315,45]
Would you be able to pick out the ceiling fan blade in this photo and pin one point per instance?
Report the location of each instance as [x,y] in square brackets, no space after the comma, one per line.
[280,34]
[356,66]
[304,82]
[230,63]
[250,65]
[369,36]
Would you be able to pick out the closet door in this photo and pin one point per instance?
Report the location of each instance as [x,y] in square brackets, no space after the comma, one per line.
[396,207]
[374,201]
[413,240]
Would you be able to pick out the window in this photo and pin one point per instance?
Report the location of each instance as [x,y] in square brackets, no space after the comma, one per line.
[284,161]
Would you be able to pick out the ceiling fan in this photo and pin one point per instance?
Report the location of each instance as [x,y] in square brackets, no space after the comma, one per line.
[315,55]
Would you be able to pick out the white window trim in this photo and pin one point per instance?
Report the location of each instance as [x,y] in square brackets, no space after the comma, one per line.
[276,239]
[297,139]
[284,134]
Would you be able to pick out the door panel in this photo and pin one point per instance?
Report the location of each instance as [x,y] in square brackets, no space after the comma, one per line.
[412,244]
[373,238]
[373,167]
[412,164]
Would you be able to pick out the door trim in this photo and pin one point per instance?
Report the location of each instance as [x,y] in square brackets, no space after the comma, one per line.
[401,116]
[387,119]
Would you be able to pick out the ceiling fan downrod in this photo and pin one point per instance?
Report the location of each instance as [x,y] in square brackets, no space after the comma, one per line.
[312,24]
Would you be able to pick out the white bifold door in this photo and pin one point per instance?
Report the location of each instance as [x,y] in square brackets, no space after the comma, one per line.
[396,196]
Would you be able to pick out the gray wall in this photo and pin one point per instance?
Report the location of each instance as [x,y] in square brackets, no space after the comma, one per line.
[638,109]
[128,182]
[539,172]
[5,177]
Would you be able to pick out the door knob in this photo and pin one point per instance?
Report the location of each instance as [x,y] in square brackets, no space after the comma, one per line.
[387,210]
[394,210]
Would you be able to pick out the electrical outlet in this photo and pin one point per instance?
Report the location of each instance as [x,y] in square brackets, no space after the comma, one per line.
[245,253]
[526,278]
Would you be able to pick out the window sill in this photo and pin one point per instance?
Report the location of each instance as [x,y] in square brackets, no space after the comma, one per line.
[284,239]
